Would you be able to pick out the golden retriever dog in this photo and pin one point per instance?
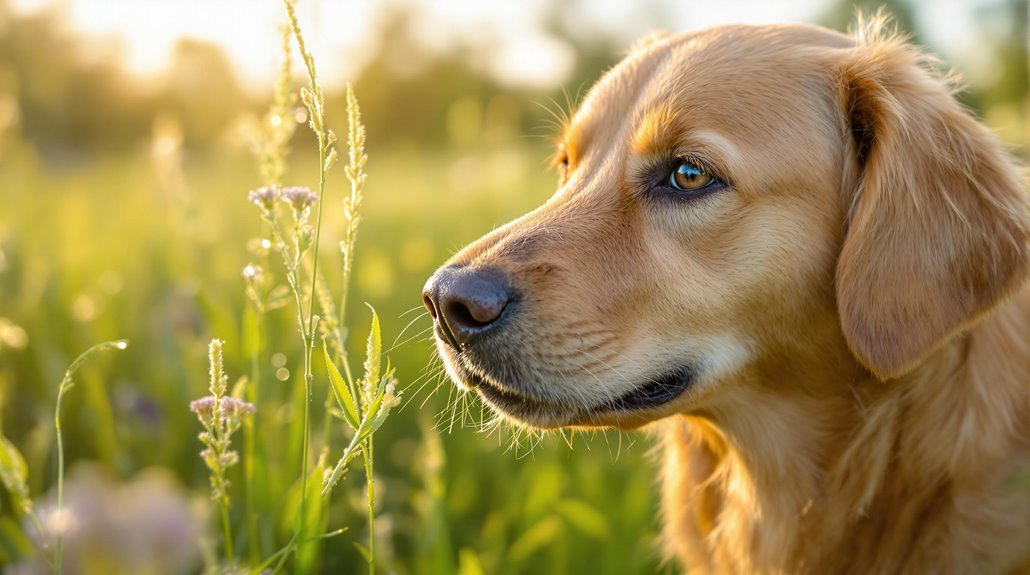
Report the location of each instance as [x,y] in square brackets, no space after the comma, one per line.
[798,258]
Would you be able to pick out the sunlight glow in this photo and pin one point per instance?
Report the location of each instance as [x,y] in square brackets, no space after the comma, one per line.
[510,40]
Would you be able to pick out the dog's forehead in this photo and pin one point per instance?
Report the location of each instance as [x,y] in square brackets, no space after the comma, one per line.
[712,57]
[725,78]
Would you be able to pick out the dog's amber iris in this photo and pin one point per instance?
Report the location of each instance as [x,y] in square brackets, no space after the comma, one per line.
[689,177]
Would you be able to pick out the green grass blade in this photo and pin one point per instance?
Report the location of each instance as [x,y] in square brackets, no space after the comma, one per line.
[309,545]
[341,466]
[341,391]
[363,550]
[585,518]
[14,475]
[15,546]
[372,420]
[118,344]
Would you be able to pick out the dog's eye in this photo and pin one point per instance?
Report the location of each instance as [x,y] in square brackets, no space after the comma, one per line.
[560,162]
[690,177]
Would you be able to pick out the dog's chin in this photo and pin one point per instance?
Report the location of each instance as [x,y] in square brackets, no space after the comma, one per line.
[646,402]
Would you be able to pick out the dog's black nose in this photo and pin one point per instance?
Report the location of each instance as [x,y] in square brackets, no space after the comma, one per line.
[465,302]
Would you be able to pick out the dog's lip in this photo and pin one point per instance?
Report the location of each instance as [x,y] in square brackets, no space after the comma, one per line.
[505,398]
[652,394]
[656,392]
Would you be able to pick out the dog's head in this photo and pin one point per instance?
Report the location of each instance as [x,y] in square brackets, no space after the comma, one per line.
[738,209]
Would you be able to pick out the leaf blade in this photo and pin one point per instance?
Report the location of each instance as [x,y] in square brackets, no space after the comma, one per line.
[14,475]
[340,390]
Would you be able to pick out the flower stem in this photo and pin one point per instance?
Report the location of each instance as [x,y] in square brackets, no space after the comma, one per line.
[65,384]
[316,107]
[309,336]
[230,556]
[251,438]
[371,505]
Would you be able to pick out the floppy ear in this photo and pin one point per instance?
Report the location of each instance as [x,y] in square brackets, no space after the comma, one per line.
[938,228]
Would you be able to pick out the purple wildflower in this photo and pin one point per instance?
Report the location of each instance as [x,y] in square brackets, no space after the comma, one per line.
[299,198]
[264,197]
[203,406]
[230,405]
[237,406]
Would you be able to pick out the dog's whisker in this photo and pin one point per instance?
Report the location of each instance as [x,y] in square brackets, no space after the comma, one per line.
[432,371]
[408,326]
[413,310]
[414,337]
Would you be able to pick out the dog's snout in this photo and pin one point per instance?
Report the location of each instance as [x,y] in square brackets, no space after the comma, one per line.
[465,302]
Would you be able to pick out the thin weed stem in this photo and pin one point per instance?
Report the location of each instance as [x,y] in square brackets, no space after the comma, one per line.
[58,551]
[230,555]
[313,98]
[66,384]
[281,555]
[364,408]
[250,441]
[371,487]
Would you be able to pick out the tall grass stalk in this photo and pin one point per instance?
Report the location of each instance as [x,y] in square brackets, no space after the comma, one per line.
[271,147]
[363,407]
[334,330]
[314,101]
[365,413]
[221,415]
[355,171]
[66,384]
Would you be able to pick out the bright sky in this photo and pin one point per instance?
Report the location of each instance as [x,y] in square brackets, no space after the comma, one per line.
[343,32]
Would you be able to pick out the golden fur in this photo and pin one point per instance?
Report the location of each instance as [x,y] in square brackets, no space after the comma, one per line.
[853,306]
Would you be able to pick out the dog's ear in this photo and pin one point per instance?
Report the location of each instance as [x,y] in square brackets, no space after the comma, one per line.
[939,221]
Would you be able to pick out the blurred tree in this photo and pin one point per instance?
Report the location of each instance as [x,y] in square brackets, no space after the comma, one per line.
[841,14]
[409,88]
[74,96]
[200,89]
[597,51]
[1005,25]
[69,97]
[406,87]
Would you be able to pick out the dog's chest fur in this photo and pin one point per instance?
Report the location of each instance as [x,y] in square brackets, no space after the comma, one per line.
[932,475]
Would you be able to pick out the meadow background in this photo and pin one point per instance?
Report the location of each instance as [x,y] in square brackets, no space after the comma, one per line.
[124,167]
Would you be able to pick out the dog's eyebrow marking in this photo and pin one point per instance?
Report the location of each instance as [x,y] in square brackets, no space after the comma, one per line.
[660,131]
[657,131]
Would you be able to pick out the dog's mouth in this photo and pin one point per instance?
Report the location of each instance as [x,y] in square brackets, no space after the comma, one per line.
[547,412]
[654,393]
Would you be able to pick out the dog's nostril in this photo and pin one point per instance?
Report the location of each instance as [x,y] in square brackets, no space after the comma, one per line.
[473,314]
[428,302]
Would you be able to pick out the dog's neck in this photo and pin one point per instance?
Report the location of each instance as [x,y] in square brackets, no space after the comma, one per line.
[827,455]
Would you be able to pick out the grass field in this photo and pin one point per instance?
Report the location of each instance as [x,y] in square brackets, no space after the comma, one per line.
[131,247]
[106,237]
